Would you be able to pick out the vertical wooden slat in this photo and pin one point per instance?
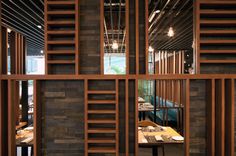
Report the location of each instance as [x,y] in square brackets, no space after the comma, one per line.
[86,117]
[13,50]
[210,94]
[127,117]
[11,119]
[220,117]
[37,118]
[197,35]
[232,112]
[24,55]
[136,117]
[4,50]
[102,35]
[229,117]
[46,37]
[77,51]
[137,34]
[117,117]
[127,35]
[146,37]
[1,115]
[187,118]
[222,127]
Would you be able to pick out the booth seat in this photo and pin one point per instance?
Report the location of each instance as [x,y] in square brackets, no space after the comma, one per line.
[172,113]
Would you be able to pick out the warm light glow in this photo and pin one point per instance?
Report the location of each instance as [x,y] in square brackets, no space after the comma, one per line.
[153,15]
[150,49]
[171,32]
[115,45]
[39,26]
[8,30]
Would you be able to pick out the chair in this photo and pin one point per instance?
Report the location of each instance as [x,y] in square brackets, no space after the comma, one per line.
[145,123]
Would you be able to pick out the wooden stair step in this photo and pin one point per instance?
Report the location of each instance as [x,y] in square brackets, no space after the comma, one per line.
[101,102]
[101,92]
[101,130]
[101,150]
[101,140]
[101,111]
[102,121]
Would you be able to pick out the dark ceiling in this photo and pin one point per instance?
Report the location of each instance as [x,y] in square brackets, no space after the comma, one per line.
[25,16]
[173,13]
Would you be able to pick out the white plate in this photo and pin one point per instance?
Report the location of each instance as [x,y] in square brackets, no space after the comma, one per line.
[178,138]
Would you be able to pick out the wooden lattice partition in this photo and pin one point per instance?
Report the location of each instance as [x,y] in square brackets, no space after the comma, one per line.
[215,36]
[62,36]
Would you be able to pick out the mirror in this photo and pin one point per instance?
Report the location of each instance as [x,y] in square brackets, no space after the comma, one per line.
[114,37]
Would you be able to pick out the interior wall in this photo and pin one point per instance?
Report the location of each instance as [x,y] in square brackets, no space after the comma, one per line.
[62,117]
[89,44]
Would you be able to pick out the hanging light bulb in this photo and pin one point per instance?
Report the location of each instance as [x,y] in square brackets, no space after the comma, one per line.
[150,49]
[171,32]
[115,45]
[8,30]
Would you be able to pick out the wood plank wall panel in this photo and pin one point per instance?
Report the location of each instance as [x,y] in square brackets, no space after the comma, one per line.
[62,36]
[198,117]
[90,62]
[215,32]
[62,117]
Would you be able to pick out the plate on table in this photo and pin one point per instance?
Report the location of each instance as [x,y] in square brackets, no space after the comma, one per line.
[178,138]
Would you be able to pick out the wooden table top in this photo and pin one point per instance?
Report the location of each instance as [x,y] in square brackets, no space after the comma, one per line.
[145,107]
[24,135]
[168,132]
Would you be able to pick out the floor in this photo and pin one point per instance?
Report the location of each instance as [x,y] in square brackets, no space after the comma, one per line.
[170,150]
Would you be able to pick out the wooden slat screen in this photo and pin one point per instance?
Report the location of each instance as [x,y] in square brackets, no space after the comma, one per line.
[62,36]
[215,35]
